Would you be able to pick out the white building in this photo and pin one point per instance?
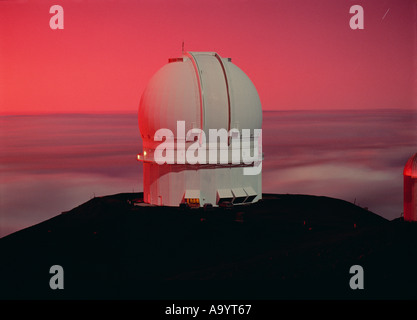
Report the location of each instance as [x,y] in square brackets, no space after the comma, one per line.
[205,91]
[410,189]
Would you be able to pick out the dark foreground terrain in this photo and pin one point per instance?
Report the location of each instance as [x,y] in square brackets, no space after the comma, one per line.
[283,247]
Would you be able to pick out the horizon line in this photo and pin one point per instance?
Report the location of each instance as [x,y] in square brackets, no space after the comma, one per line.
[6,114]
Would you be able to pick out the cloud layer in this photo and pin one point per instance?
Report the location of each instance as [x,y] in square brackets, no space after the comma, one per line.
[53,163]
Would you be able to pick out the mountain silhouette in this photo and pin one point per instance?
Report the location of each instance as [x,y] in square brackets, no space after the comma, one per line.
[282,247]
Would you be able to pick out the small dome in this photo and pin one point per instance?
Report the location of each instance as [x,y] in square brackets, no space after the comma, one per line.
[410,168]
[202,89]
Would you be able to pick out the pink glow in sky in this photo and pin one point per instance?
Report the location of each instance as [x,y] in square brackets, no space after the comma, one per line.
[300,54]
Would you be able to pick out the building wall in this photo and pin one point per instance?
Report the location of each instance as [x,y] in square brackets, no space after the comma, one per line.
[410,198]
[166,184]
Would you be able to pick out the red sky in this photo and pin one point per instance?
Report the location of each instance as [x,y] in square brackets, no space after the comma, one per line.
[300,54]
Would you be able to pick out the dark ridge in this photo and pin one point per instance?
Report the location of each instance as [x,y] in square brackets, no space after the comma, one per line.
[283,247]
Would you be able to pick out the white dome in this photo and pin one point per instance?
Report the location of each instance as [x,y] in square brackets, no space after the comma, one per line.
[202,89]
[206,92]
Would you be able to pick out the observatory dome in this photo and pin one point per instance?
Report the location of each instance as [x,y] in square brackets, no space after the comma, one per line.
[202,89]
[410,168]
[207,93]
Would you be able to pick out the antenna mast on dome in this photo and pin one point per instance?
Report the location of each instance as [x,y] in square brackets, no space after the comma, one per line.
[182,46]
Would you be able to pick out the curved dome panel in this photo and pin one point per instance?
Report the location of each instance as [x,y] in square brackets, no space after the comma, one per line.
[172,94]
[410,168]
[246,111]
[214,90]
